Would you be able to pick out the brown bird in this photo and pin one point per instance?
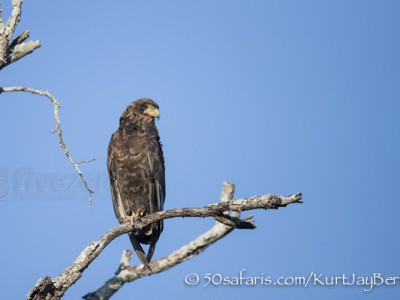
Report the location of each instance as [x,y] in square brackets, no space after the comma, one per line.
[137,173]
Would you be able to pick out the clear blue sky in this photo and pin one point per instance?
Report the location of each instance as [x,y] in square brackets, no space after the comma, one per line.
[275,96]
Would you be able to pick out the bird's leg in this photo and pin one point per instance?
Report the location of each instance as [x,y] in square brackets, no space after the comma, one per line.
[136,215]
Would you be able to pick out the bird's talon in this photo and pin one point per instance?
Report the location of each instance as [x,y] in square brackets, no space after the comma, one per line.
[132,218]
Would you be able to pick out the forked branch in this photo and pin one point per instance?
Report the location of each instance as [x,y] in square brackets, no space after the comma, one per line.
[18,48]
[49,288]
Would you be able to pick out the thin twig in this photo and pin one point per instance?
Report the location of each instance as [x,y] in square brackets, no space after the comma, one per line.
[19,39]
[49,288]
[57,105]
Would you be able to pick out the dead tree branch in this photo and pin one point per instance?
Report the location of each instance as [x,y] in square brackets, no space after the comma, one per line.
[15,50]
[127,273]
[18,48]
[49,288]
[56,105]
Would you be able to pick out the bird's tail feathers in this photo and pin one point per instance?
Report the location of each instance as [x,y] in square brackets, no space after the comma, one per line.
[152,247]
[139,251]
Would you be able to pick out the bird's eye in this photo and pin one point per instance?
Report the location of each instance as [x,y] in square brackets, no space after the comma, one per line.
[144,106]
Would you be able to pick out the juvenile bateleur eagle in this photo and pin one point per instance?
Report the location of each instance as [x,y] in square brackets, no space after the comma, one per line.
[137,174]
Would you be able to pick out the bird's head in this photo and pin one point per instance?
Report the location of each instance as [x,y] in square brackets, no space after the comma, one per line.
[142,110]
[150,108]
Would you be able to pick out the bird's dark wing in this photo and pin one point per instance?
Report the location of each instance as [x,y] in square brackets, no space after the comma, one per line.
[156,192]
[120,207]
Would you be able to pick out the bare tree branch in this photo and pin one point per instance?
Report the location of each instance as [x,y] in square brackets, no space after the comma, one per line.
[11,52]
[57,105]
[19,39]
[49,288]
[18,49]
[126,273]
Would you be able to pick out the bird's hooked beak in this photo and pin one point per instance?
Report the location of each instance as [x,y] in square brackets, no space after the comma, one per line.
[152,111]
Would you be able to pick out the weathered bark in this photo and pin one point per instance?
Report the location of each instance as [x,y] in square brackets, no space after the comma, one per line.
[12,51]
